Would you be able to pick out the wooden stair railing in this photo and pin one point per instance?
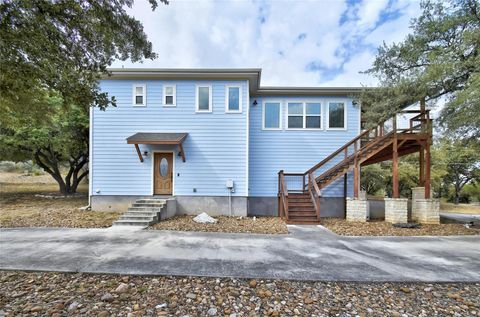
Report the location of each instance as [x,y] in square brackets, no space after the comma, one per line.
[344,159]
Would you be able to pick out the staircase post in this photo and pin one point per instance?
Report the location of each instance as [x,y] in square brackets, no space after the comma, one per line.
[395,193]
[427,169]
[356,178]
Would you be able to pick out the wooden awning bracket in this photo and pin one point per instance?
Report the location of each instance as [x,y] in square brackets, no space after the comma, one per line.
[181,152]
[139,152]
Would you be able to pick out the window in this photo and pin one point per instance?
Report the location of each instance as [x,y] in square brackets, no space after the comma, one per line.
[272,116]
[169,95]
[204,99]
[336,115]
[233,99]
[313,115]
[303,115]
[139,95]
[295,115]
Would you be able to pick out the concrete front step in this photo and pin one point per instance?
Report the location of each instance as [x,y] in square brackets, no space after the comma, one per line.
[142,213]
[134,216]
[152,205]
[140,223]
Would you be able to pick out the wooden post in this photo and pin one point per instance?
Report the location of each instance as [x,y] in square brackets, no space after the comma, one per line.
[395,193]
[427,169]
[422,117]
[422,166]
[345,182]
[356,178]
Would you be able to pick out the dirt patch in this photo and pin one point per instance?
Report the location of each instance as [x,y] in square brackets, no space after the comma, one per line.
[267,225]
[470,209]
[33,201]
[381,228]
[63,294]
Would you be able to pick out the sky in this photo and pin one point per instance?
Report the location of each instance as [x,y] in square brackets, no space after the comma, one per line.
[296,43]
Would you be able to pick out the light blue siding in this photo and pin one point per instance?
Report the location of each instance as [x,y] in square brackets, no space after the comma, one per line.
[216,146]
[294,150]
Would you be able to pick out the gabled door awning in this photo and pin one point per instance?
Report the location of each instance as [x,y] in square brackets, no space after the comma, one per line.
[157,139]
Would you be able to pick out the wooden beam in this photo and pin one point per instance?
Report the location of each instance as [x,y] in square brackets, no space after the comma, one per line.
[345,195]
[389,156]
[182,152]
[427,170]
[395,193]
[421,159]
[356,178]
[139,153]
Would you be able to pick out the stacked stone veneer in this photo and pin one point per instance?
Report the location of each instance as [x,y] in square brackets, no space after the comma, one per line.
[357,210]
[396,210]
[424,210]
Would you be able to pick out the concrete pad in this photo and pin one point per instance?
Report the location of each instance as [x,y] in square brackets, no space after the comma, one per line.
[308,253]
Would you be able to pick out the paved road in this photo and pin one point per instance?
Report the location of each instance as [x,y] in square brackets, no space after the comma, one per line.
[309,253]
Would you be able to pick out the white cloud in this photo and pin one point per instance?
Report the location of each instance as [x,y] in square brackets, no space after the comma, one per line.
[220,34]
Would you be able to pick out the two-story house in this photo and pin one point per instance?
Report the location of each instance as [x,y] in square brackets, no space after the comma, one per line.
[214,139]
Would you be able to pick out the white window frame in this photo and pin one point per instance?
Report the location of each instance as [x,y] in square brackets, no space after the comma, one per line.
[144,95]
[304,115]
[344,115]
[197,95]
[227,99]
[280,118]
[174,95]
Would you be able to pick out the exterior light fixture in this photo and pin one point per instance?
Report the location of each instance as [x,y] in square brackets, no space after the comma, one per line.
[255,102]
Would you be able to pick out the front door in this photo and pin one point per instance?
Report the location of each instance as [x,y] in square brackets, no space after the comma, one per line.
[163,174]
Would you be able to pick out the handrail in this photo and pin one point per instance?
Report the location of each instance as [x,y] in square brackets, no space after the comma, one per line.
[314,194]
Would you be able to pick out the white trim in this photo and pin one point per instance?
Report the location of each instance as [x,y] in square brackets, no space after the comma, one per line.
[345,103]
[174,95]
[144,95]
[227,98]
[359,117]
[280,114]
[247,178]
[153,169]
[305,115]
[90,155]
[210,93]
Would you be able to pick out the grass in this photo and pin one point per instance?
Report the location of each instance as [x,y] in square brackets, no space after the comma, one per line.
[20,205]
[460,208]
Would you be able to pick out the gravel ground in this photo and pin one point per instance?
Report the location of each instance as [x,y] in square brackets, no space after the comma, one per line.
[381,228]
[28,203]
[62,294]
[269,225]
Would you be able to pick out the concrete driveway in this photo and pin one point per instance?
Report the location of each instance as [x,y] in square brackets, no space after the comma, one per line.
[308,253]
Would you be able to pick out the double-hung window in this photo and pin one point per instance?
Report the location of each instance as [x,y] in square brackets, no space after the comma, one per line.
[233,99]
[336,115]
[272,116]
[139,95]
[204,98]
[304,115]
[169,95]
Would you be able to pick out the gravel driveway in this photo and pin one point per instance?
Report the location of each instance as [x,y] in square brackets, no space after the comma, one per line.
[308,253]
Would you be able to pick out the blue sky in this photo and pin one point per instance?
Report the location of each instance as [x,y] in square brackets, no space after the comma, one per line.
[296,43]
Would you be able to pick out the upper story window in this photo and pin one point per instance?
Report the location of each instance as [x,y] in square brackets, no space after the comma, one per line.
[336,115]
[233,99]
[204,98]
[169,95]
[272,116]
[139,95]
[304,115]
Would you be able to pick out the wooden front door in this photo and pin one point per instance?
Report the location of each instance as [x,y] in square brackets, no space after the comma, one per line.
[163,174]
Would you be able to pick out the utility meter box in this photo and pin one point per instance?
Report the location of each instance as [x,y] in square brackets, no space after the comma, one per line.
[229,183]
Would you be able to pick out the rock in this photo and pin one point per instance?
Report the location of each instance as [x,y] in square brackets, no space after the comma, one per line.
[191,296]
[73,306]
[36,309]
[122,288]
[406,290]
[103,313]
[161,306]
[308,300]
[253,283]
[136,307]
[204,218]
[427,289]
[212,311]
[107,297]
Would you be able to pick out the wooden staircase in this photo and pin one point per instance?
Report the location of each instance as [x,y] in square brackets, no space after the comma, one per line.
[299,193]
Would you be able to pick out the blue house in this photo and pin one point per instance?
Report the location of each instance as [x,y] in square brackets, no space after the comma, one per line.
[217,141]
